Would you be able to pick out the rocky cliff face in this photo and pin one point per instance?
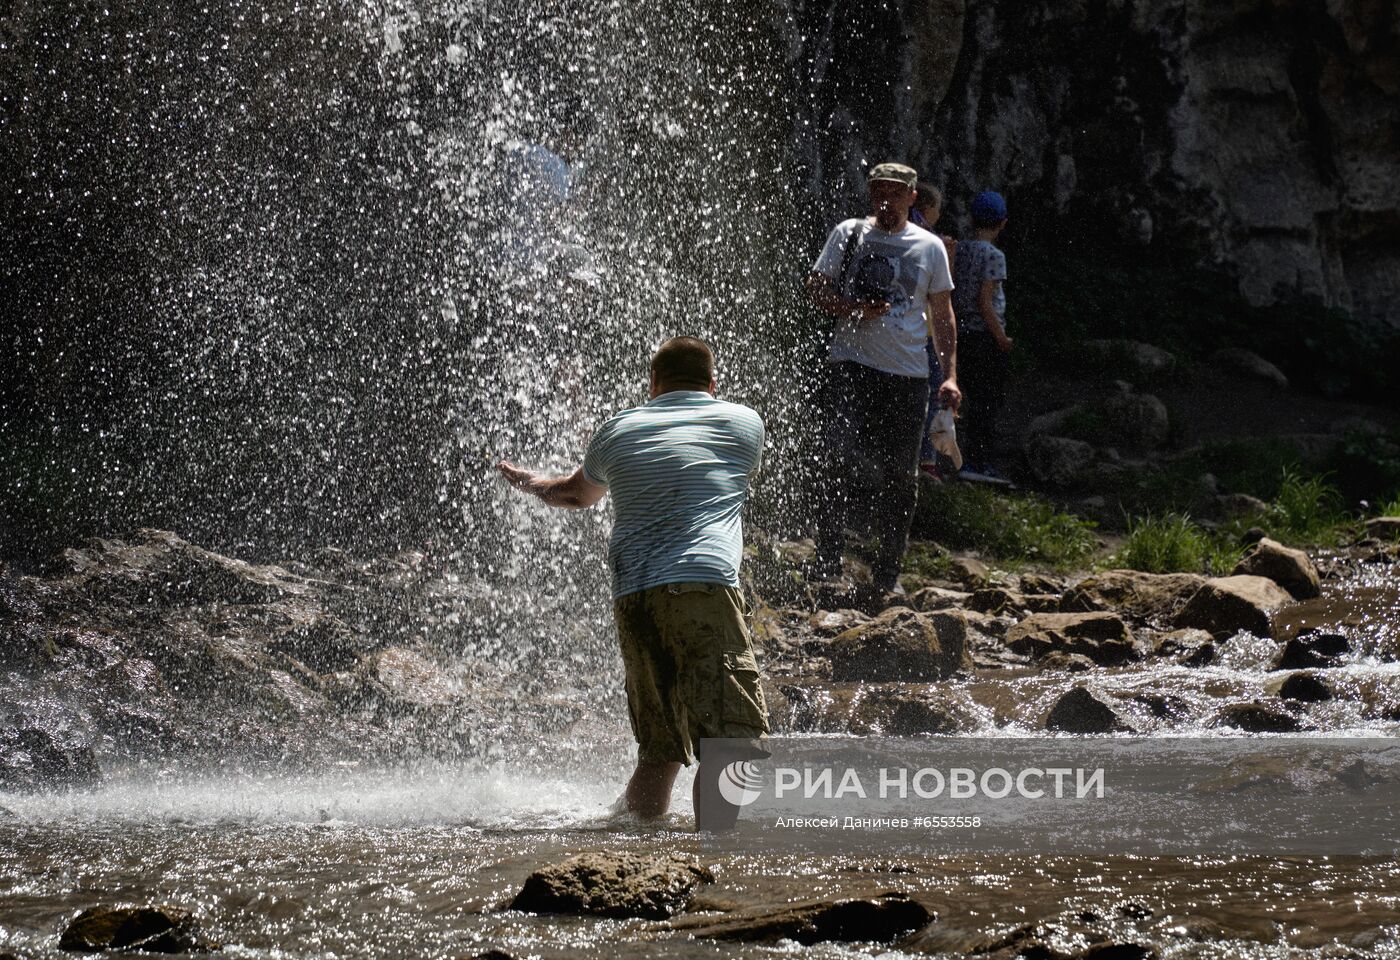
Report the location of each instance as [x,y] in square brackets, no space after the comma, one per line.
[1263,136]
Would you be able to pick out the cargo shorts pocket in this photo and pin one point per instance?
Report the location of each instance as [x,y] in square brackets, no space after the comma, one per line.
[741,694]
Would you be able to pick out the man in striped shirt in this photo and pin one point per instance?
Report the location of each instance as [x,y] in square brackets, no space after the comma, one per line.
[679,469]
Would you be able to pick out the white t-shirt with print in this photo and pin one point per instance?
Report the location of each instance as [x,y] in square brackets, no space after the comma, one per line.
[904,268]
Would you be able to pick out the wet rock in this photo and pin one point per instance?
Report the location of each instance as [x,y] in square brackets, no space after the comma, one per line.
[1082,710]
[1142,596]
[1305,688]
[992,600]
[1249,364]
[902,644]
[1164,706]
[1256,717]
[1040,583]
[156,567]
[155,929]
[1313,649]
[408,678]
[1289,568]
[901,712]
[32,758]
[937,598]
[325,645]
[1118,951]
[1383,528]
[1069,662]
[829,623]
[878,919]
[989,624]
[1058,462]
[1190,648]
[651,887]
[996,600]
[1102,637]
[969,571]
[1226,605]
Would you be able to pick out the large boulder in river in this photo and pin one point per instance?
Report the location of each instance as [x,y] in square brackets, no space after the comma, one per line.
[1289,568]
[1226,605]
[1257,716]
[652,887]
[1313,648]
[901,644]
[1082,710]
[1102,637]
[877,919]
[151,929]
[1142,596]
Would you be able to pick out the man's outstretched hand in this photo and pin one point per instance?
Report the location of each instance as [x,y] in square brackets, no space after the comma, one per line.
[518,478]
[575,491]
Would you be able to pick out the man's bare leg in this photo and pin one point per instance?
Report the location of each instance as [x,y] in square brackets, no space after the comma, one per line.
[720,814]
[648,793]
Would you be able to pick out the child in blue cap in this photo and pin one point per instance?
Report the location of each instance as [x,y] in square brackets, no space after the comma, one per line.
[983,346]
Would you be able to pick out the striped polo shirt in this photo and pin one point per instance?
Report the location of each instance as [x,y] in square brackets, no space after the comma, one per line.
[678,469]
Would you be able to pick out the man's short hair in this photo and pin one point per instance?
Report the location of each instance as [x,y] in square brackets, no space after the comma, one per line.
[684,362]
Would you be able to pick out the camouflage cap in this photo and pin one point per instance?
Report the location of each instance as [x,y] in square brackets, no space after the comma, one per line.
[897,172]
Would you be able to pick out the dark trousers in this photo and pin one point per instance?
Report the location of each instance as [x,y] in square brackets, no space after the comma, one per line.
[874,424]
[982,368]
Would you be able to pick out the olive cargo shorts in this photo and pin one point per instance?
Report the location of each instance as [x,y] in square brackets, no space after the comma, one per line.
[691,671]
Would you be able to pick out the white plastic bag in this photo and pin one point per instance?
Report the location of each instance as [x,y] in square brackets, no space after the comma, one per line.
[943,434]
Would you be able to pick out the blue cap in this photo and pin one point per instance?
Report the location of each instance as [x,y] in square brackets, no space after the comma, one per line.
[988,208]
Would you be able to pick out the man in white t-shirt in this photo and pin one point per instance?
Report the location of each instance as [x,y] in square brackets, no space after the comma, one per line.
[878,275]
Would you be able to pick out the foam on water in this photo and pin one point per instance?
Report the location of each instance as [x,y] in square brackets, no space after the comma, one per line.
[497,798]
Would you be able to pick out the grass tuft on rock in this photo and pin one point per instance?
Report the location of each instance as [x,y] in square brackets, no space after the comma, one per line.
[1305,509]
[1011,528]
[1173,543]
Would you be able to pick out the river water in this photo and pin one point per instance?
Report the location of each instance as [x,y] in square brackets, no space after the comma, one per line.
[357,866]
[420,860]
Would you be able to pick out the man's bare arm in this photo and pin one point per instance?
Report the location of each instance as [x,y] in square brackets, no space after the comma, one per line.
[574,492]
[944,327]
[986,303]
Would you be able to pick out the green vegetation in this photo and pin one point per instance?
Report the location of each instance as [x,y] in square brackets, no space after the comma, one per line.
[1173,543]
[1306,509]
[926,559]
[1255,467]
[1303,510]
[1391,508]
[1011,528]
